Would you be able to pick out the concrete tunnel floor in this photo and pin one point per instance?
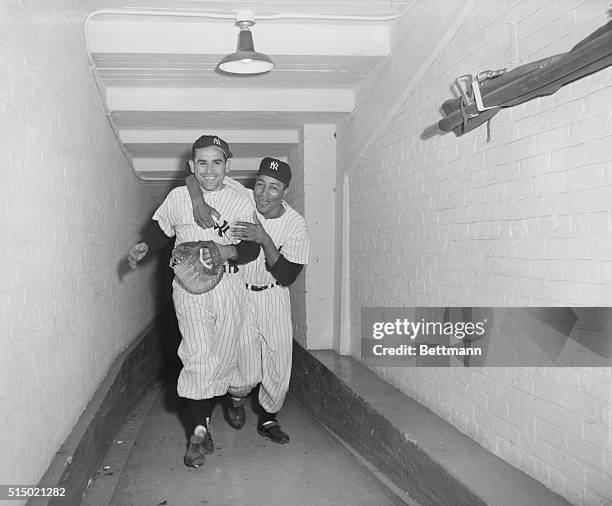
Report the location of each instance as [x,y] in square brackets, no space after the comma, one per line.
[144,465]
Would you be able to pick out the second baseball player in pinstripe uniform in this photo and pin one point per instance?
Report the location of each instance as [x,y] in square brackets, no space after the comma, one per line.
[282,234]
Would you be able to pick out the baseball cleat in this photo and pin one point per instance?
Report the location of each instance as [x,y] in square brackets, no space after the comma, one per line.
[272,431]
[196,453]
[209,445]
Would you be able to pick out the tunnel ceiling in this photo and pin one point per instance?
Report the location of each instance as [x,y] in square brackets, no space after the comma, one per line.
[158,82]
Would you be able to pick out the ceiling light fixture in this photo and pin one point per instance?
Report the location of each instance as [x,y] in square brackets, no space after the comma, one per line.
[245,60]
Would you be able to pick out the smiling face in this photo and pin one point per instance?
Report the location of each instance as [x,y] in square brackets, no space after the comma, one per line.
[209,166]
[269,194]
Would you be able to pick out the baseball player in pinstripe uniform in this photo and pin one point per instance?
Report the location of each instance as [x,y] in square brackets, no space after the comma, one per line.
[210,323]
[282,234]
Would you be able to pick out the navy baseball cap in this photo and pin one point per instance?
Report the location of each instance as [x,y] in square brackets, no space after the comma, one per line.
[275,168]
[207,141]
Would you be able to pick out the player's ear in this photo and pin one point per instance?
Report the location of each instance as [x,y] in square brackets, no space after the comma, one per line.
[191,166]
[228,164]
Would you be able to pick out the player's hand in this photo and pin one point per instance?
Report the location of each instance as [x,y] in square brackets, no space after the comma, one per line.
[137,253]
[205,215]
[246,231]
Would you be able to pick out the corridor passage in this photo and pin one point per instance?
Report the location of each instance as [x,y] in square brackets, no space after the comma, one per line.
[144,465]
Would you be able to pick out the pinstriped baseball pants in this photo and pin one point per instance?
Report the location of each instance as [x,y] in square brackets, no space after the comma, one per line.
[273,313]
[266,357]
[210,325]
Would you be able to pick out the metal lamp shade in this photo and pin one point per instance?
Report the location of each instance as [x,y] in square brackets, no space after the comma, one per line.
[245,60]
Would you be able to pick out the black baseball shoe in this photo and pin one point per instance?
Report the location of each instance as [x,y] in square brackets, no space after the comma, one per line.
[209,445]
[236,415]
[196,453]
[271,430]
[200,445]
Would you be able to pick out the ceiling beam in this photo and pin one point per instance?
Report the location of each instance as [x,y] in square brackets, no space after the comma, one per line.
[178,176]
[163,165]
[221,120]
[145,34]
[183,150]
[234,99]
[165,136]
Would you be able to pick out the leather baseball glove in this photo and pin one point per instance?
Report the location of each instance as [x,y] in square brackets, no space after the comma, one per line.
[192,271]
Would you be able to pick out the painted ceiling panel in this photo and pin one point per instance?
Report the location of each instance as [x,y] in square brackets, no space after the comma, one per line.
[222,120]
[199,71]
[157,74]
[239,150]
[353,7]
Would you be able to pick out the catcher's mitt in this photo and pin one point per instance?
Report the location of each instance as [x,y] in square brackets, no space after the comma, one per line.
[190,269]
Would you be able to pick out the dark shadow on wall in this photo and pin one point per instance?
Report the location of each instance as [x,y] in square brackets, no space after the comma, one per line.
[160,251]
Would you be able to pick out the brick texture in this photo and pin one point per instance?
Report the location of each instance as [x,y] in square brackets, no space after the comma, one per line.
[295,198]
[70,208]
[522,220]
[319,202]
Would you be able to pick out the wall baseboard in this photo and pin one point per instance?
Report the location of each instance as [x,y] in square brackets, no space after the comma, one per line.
[135,370]
[421,453]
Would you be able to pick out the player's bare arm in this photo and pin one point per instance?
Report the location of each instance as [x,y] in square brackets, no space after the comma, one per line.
[203,214]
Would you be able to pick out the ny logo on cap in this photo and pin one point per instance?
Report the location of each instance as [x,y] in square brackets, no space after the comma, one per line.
[273,165]
[217,141]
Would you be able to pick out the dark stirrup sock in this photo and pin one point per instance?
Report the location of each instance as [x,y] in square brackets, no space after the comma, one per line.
[264,416]
[198,412]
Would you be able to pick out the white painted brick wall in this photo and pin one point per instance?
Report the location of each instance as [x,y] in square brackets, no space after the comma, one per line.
[70,208]
[295,198]
[319,149]
[524,220]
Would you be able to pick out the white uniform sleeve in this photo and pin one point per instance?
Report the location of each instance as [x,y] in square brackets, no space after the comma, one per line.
[164,216]
[232,183]
[297,248]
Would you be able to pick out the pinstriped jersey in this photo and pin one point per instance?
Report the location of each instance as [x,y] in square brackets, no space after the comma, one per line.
[175,215]
[290,236]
